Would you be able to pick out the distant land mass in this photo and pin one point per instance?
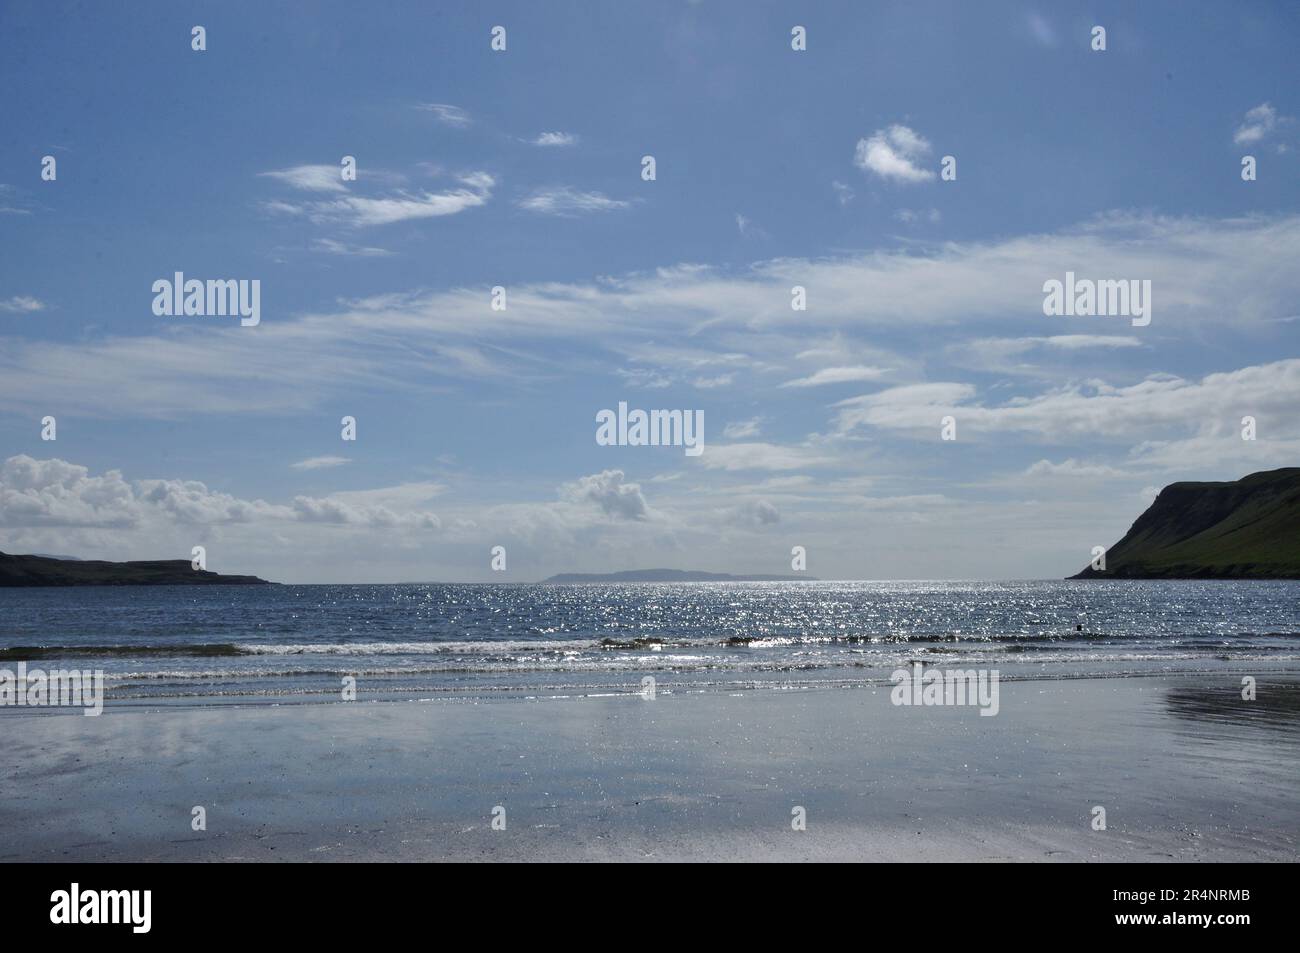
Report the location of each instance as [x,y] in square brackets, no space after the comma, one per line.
[50,571]
[1245,529]
[669,575]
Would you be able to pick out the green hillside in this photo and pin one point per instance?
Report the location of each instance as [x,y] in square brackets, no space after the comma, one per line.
[1246,529]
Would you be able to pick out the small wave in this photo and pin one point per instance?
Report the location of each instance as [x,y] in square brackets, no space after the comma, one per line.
[568,648]
[416,648]
[202,649]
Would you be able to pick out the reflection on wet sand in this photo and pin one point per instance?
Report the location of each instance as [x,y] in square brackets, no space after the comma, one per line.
[1276,704]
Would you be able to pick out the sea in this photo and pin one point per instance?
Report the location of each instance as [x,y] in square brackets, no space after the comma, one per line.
[285,644]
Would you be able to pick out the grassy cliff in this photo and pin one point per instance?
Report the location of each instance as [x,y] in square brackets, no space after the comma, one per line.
[1246,529]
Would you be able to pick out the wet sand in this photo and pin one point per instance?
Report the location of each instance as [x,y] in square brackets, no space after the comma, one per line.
[1185,769]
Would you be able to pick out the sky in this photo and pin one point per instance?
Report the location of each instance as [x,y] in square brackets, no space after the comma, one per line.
[522,169]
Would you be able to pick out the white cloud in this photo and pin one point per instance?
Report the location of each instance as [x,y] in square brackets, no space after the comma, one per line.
[1074,469]
[747,228]
[673,324]
[1074,342]
[49,493]
[644,377]
[22,304]
[1259,122]
[446,114]
[1051,352]
[607,490]
[320,463]
[740,429]
[1096,410]
[404,206]
[908,406]
[336,509]
[57,493]
[332,247]
[310,178]
[838,375]
[1214,453]
[712,383]
[910,216]
[362,211]
[756,513]
[555,139]
[403,496]
[894,153]
[762,456]
[564,200]
[8,194]
[283,208]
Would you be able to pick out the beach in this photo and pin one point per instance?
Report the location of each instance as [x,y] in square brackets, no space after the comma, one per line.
[1185,769]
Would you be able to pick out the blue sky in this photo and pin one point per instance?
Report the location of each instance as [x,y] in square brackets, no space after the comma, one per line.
[522,169]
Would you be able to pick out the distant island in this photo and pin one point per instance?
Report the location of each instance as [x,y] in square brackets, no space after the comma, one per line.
[53,571]
[1245,529]
[669,575]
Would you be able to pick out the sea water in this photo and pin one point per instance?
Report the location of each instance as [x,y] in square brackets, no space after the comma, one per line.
[244,644]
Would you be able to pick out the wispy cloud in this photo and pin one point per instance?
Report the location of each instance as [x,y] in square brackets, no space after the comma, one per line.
[742,429]
[1043,357]
[745,225]
[362,211]
[763,456]
[1041,30]
[22,304]
[446,114]
[910,216]
[12,202]
[1213,405]
[755,513]
[332,247]
[711,383]
[1210,275]
[555,139]
[838,375]
[310,178]
[645,377]
[1073,468]
[565,200]
[320,463]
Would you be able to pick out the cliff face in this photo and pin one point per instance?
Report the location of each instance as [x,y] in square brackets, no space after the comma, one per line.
[1247,529]
[47,571]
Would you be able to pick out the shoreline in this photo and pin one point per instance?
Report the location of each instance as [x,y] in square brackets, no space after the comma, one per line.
[390,688]
[1185,769]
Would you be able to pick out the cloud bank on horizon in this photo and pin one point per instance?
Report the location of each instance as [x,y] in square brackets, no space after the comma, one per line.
[839,256]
